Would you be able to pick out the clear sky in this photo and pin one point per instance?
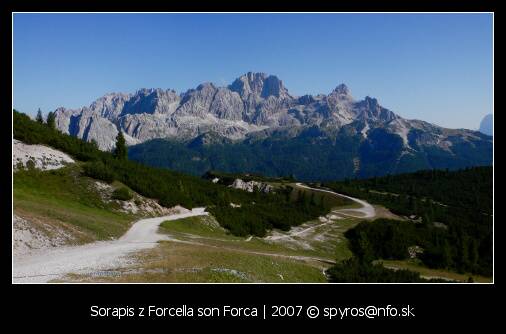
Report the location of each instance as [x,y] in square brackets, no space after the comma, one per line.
[435,67]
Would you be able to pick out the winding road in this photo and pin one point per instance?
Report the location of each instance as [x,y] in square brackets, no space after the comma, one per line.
[55,263]
[367,209]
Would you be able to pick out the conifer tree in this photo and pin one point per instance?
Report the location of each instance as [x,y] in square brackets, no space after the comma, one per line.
[51,120]
[39,117]
[120,152]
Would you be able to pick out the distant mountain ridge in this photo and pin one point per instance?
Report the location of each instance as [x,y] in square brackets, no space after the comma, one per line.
[486,125]
[257,106]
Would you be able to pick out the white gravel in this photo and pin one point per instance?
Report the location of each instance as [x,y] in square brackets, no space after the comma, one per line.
[102,255]
[44,157]
[28,237]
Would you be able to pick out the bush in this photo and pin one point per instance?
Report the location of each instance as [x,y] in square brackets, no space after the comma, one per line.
[98,170]
[123,194]
[30,165]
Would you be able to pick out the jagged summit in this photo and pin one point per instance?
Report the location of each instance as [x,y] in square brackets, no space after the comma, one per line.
[342,89]
[259,85]
[253,102]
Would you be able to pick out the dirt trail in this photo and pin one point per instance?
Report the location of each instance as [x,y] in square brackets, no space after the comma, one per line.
[55,263]
[366,211]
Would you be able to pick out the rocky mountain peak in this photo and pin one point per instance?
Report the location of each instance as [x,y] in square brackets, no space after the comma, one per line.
[206,86]
[259,84]
[342,89]
[370,109]
[150,101]
[371,101]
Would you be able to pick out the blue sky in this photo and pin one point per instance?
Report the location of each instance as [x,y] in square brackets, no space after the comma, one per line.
[435,67]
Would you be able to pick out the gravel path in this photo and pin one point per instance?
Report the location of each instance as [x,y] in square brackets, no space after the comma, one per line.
[101,255]
[366,211]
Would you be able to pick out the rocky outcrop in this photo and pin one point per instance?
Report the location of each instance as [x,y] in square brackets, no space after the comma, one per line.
[37,156]
[251,186]
[137,204]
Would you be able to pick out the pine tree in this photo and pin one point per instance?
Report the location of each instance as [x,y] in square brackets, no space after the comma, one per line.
[51,120]
[39,117]
[120,152]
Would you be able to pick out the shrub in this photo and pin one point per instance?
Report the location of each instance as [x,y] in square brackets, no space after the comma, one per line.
[30,164]
[123,194]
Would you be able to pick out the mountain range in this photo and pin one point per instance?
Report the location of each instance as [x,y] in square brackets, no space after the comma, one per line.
[486,125]
[255,125]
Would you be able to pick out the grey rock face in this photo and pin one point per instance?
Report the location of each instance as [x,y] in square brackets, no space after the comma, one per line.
[259,85]
[227,105]
[251,186]
[151,101]
[252,103]
[110,106]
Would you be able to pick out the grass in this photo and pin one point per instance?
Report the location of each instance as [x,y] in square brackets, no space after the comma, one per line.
[64,196]
[176,262]
[206,230]
[414,265]
[208,253]
[204,226]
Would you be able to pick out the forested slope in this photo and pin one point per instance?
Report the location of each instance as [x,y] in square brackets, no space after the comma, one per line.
[257,213]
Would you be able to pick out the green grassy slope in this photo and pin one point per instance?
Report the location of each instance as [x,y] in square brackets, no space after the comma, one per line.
[65,196]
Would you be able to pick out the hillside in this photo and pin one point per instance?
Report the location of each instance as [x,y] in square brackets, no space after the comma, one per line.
[172,188]
[311,154]
[56,205]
